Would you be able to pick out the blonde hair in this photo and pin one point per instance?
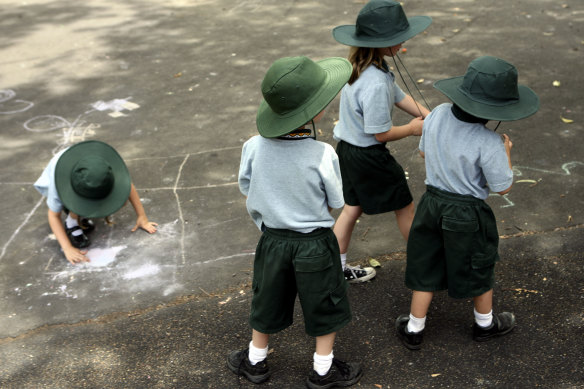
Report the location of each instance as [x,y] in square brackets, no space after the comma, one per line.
[361,58]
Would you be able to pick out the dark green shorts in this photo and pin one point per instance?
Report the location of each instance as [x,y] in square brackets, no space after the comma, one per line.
[372,179]
[289,263]
[452,245]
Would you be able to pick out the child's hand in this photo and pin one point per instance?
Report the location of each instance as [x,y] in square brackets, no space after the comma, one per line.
[143,223]
[416,125]
[507,142]
[74,255]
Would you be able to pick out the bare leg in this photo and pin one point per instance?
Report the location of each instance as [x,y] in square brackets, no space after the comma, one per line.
[420,303]
[484,303]
[405,217]
[325,343]
[259,339]
[345,224]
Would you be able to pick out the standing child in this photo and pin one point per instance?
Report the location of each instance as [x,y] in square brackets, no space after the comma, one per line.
[454,240]
[291,182]
[373,181]
[87,180]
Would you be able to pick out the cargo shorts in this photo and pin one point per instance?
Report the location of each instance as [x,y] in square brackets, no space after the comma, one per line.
[289,263]
[453,244]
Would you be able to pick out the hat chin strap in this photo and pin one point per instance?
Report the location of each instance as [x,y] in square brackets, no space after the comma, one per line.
[413,82]
[301,133]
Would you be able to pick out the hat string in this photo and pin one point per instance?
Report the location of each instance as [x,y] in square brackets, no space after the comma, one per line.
[412,80]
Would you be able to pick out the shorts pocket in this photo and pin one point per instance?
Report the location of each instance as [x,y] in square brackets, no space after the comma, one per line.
[312,264]
[313,274]
[484,259]
[339,293]
[458,225]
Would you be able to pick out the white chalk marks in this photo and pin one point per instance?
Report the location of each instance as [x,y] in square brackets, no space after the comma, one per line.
[116,106]
[73,132]
[566,169]
[8,107]
[518,171]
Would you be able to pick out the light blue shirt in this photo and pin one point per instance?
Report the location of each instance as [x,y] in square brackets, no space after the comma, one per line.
[46,184]
[366,107]
[290,184]
[463,158]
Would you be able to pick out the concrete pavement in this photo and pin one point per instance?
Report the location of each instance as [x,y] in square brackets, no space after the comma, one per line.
[174,87]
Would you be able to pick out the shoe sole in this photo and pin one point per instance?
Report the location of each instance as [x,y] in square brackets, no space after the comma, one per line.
[362,279]
[338,384]
[253,378]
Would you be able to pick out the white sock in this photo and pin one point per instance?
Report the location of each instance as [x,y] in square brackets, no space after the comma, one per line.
[257,354]
[344,260]
[483,319]
[72,222]
[416,324]
[322,363]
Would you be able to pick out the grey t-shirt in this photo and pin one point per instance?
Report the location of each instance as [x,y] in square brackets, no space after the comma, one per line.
[290,184]
[463,157]
[45,184]
[366,106]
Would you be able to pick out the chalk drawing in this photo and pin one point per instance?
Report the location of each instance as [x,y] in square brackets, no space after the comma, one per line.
[7,95]
[565,170]
[180,213]
[100,257]
[146,270]
[74,132]
[116,106]
[15,233]
[61,291]
[505,197]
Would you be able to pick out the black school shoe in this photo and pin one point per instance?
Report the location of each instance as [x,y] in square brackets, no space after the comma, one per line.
[502,324]
[79,241]
[87,225]
[412,340]
[340,374]
[238,362]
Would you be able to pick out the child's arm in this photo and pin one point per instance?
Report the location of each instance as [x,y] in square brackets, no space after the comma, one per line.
[141,218]
[73,255]
[508,146]
[411,106]
[414,127]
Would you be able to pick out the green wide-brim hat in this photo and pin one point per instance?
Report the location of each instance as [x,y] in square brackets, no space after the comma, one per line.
[92,179]
[381,23]
[489,90]
[296,89]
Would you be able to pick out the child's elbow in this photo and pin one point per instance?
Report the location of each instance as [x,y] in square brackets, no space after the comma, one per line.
[504,192]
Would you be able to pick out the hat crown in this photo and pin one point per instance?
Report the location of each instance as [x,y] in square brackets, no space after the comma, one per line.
[291,82]
[381,19]
[490,80]
[92,177]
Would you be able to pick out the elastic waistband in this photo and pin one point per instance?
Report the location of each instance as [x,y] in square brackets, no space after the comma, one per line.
[380,146]
[466,199]
[295,235]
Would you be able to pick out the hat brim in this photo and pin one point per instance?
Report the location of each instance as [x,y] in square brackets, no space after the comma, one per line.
[527,105]
[347,34]
[272,125]
[86,207]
